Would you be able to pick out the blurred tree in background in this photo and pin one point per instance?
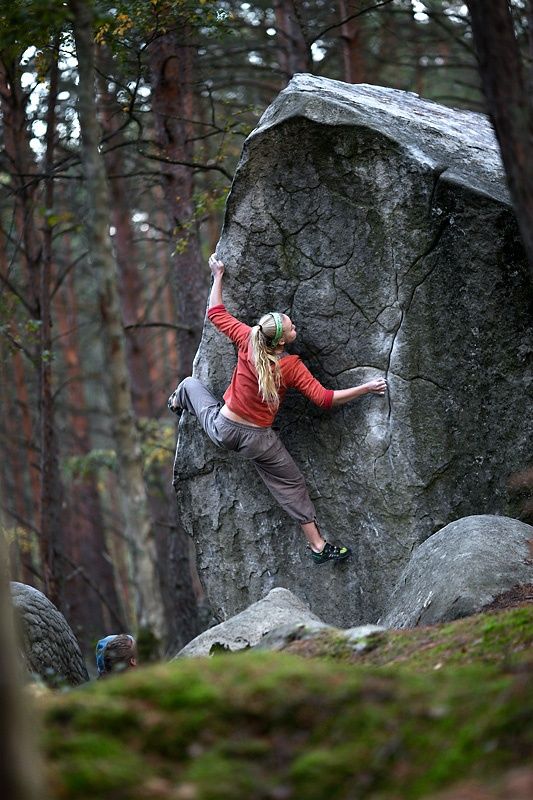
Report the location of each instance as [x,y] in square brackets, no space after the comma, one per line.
[172,88]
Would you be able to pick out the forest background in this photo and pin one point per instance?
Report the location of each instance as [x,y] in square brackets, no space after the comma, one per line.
[122,124]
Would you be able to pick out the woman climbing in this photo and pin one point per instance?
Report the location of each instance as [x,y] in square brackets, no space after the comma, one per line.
[260,380]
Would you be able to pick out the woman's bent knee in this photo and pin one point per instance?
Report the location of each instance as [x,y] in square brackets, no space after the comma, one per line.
[187,385]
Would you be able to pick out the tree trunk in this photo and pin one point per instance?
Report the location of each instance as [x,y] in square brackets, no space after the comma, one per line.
[16,446]
[21,391]
[353,61]
[36,294]
[171,67]
[294,53]
[93,611]
[19,765]
[509,103]
[22,165]
[131,289]
[51,488]
[387,51]
[133,492]
[147,371]
[13,474]
[169,311]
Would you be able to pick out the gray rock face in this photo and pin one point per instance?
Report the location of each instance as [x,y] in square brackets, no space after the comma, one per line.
[461,569]
[49,647]
[381,223]
[279,607]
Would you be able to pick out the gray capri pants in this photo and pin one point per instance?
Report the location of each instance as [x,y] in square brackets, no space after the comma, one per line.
[261,445]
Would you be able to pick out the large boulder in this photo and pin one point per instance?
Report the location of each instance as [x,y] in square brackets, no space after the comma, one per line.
[460,570]
[381,222]
[49,648]
[280,607]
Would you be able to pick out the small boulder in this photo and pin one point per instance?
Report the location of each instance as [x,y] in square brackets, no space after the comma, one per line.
[460,570]
[279,607]
[49,648]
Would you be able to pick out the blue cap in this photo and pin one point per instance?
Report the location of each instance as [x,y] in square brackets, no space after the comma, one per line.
[100,650]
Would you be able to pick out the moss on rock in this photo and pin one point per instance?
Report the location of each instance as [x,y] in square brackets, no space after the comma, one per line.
[269,725]
[501,639]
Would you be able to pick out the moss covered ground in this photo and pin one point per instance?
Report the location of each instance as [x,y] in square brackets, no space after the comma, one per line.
[274,725]
[499,639]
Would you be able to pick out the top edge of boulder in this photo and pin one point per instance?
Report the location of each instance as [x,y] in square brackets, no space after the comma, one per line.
[459,146]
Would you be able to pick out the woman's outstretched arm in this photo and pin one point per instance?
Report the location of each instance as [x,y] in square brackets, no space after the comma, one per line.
[238,332]
[217,270]
[341,396]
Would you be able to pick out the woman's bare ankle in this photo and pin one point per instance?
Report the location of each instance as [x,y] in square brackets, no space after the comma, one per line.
[314,539]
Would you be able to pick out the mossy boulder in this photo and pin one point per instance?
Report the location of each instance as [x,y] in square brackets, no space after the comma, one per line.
[258,725]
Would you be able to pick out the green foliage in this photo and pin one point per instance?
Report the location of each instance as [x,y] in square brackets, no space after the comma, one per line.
[157,446]
[25,23]
[120,23]
[158,440]
[264,725]
[209,201]
[24,538]
[147,646]
[89,464]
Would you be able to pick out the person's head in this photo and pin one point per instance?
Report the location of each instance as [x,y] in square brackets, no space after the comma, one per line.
[116,653]
[269,337]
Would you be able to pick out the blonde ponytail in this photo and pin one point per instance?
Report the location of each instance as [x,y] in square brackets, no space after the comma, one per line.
[264,338]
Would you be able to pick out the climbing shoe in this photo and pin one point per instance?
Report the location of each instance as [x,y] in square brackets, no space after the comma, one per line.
[331,552]
[170,403]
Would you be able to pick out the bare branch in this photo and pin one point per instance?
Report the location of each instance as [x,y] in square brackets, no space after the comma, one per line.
[19,346]
[192,164]
[348,19]
[174,326]
[13,289]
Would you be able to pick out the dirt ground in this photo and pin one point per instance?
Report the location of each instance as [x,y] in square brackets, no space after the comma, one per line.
[517,596]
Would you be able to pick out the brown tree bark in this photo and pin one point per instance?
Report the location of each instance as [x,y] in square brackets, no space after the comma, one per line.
[131,289]
[36,257]
[138,530]
[509,102]
[294,53]
[146,368]
[20,777]
[169,314]
[14,495]
[51,488]
[22,394]
[353,61]
[387,48]
[17,448]
[21,168]
[86,548]
[171,57]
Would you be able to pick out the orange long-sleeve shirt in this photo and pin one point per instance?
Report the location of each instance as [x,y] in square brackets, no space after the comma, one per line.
[242,395]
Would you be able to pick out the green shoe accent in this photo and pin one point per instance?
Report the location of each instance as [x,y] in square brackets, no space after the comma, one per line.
[331,552]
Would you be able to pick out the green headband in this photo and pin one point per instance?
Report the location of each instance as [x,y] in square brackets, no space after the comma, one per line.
[279,328]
